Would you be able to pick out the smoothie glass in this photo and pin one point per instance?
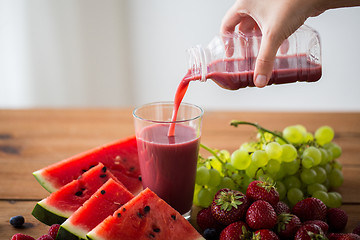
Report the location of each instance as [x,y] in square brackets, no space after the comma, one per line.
[168,163]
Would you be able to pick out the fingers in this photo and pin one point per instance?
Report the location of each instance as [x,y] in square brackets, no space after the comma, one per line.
[265,61]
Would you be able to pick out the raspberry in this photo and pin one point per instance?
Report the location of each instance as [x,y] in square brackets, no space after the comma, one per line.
[53,230]
[45,237]
[20,236]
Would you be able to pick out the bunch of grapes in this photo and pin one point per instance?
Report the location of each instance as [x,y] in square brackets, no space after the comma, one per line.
[300,163]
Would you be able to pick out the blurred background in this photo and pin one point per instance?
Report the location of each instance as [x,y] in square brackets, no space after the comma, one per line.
[123,53]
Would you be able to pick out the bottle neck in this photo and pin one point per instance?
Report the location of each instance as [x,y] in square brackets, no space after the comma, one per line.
[197,62]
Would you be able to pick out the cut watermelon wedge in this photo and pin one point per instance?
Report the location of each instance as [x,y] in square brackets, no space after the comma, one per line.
[120,157]
[57,207]
[146,216]
[103,203]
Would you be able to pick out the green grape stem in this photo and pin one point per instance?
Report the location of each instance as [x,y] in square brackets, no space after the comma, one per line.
[235,123]
[211,151]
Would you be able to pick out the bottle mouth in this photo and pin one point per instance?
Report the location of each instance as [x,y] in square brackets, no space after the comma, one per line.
[197,62]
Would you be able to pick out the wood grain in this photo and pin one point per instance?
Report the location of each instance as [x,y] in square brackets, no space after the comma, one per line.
[34,138]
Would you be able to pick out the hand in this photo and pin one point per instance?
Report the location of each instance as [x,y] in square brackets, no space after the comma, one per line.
[277,20]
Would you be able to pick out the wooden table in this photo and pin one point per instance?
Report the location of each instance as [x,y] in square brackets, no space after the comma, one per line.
[33,139]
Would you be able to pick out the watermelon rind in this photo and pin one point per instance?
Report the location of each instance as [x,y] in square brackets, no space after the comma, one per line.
[46,214]
[43,182]
[69,233]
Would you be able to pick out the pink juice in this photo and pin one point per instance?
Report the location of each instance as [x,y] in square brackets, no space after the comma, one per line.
[168,164]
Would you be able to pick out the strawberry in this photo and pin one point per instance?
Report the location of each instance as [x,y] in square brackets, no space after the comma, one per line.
[20,236]
[229,206]
[310,232]
[310,209]
[287,225]
[261,215]
[205,220]
[323,225]
[235,231]
[337,219]
[264,234]
[281,207]
[53,230]
[356,230]
[343,236]
[262,190]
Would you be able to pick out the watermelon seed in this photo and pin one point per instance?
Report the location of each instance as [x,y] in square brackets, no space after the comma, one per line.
[84,170]
[139,215]
[103,175]
[156,230]
[83,189]
[131,169]
[124,209]
[102,192]
[173,217]
[104,169]
[140,179]
[78,193]
[146,209]
[151,235]
[91,166]
[119,214]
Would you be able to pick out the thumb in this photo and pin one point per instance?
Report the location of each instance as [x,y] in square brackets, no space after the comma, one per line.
[265,61]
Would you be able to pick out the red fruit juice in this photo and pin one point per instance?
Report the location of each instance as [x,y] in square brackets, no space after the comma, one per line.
[168,164]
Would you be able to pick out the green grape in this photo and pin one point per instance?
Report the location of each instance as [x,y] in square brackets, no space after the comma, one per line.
[324,156]
[240,159]
[312,188]
[281,173]
[308,137]
[336,164]
[334,149]
[213,191]
[307,162]
[204,198]
[215,178]
[280,187]
[292,167]
[227,182]
[229,169]
[237,178]
[289,153]
[197,188]
[301,128]
[314,153]
[308,176]
[215,163]
[336,178]
[202,176]
[335,200]
[327,183]
[248,147]
[273,150]
[327,168]
[273,166]
[224,155]
[320,174]
[294,195]
[322,195]
[293,134]
[292,182]
[251,171]
[259,158]
[324,134]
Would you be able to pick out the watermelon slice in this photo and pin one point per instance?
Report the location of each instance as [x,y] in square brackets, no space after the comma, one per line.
[120,157]
[146,216]
[57,207]
[103,203]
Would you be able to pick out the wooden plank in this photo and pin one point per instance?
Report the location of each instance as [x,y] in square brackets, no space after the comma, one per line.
[32,226]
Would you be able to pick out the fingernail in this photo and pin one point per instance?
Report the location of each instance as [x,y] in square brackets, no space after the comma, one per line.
[260,81]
